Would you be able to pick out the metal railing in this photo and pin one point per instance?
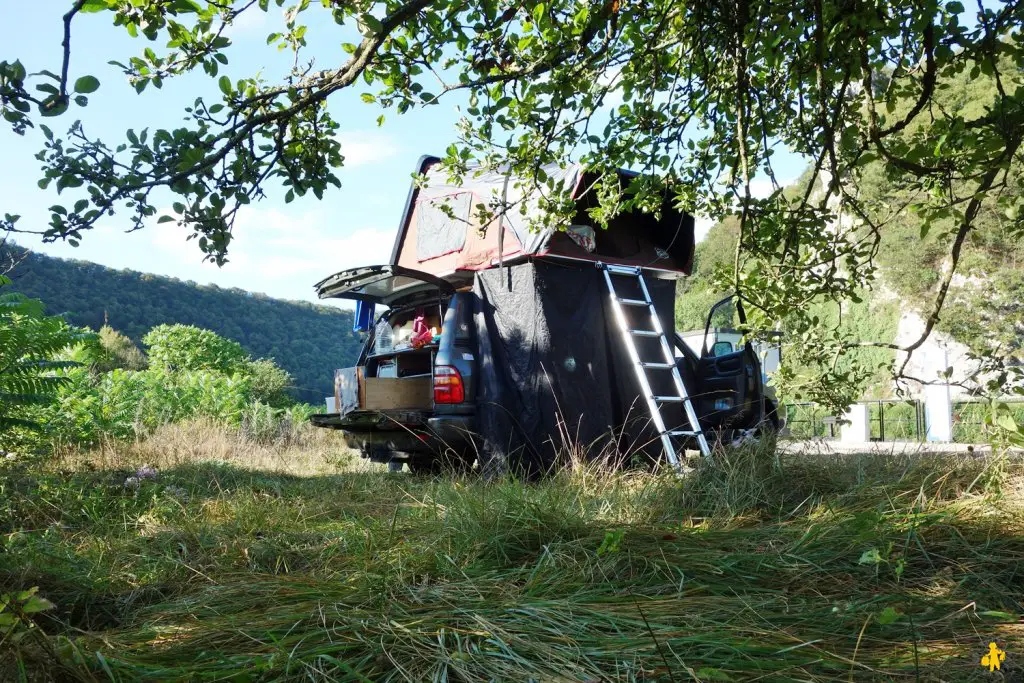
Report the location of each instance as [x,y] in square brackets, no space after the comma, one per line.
[896,420]
[891,420]
[809,420]
[969,418]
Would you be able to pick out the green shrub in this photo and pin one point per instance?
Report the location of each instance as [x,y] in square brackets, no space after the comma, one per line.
[176,348]
[117,351]
[268,383]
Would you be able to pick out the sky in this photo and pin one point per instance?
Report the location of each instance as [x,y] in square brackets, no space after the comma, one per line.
[278,249]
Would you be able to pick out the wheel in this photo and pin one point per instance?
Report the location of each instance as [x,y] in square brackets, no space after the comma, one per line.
[450,461]
[425,466]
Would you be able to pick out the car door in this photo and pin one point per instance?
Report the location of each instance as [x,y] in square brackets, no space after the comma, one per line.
[727,389]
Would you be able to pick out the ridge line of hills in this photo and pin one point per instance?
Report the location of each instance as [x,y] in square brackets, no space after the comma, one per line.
[306,339]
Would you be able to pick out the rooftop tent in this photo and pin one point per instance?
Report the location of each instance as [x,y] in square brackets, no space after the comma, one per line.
[441,233]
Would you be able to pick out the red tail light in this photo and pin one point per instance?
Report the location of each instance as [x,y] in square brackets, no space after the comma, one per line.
[448,386]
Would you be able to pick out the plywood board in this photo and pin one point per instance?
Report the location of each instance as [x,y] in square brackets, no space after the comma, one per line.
[347,389]
[382,393]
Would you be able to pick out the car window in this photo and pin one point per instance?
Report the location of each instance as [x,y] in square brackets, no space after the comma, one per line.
[464,317]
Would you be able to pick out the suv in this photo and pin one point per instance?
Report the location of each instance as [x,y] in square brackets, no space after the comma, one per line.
[429,430]
[415,404]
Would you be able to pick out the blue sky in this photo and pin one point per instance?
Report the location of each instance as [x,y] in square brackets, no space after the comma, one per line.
[279,249]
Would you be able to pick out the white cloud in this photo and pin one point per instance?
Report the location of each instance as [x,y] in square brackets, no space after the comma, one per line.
[761,186]
[365,147]
[251,21]
[284,254]
[273,251]
[701,226]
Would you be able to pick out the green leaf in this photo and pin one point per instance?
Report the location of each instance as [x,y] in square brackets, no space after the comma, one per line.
[225,85]
[166,219]
[539,13]
[184,6]
[887,616]
[87,84]
[372,23]
[1006,422]
[91,6]
[871,556]
[997,614]
[36,604]
[53,106]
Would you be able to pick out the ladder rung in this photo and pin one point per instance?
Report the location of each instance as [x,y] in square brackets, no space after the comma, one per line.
[653,400]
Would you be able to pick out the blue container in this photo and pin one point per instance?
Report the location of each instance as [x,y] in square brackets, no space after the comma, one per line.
[364,317]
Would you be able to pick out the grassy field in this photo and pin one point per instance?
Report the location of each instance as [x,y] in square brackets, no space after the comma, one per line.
[246,563]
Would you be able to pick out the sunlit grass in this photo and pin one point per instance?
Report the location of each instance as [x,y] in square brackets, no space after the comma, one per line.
[872,568]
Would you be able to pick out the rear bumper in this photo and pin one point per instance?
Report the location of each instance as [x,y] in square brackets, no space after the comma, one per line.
[380,436]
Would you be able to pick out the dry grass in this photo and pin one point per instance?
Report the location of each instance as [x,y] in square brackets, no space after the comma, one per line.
[303,451]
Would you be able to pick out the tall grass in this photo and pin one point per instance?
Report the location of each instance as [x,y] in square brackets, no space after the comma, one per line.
[272,443]
[753,567]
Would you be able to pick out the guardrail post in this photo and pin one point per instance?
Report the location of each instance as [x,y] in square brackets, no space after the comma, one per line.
[938,413]
[858,424]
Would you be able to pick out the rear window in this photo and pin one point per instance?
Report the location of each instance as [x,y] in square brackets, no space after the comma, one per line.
[464,316]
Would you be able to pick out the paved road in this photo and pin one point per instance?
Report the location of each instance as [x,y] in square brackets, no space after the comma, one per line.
[829,446]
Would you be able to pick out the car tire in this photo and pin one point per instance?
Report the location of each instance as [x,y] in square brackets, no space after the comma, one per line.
[449,462]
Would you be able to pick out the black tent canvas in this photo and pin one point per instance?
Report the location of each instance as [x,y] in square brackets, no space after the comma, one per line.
[554,372]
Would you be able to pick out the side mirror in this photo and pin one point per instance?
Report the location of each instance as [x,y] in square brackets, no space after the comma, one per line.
[722,348]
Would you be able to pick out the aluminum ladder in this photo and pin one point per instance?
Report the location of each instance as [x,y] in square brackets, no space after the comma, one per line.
[642,366]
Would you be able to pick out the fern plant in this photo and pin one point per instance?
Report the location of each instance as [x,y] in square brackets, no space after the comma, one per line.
[29,375]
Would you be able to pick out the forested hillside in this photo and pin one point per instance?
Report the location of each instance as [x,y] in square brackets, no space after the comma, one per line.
[307,340]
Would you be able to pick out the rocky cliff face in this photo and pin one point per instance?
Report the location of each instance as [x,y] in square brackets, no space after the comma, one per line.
[929,362]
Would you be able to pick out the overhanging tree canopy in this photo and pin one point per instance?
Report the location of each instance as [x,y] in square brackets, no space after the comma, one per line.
[697,96]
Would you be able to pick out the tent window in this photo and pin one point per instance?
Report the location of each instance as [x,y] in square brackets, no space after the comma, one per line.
[442,225]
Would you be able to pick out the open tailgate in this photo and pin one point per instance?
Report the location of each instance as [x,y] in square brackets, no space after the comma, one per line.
[384,284]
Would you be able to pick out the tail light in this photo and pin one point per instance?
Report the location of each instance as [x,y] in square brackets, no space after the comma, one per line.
[448,386]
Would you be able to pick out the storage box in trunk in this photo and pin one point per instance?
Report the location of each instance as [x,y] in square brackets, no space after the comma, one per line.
[385,393]
[353,390]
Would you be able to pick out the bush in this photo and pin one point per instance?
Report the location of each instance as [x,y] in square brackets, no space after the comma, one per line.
[117,352]
[123,404]
[176,348]
[971,420]
[268,383]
